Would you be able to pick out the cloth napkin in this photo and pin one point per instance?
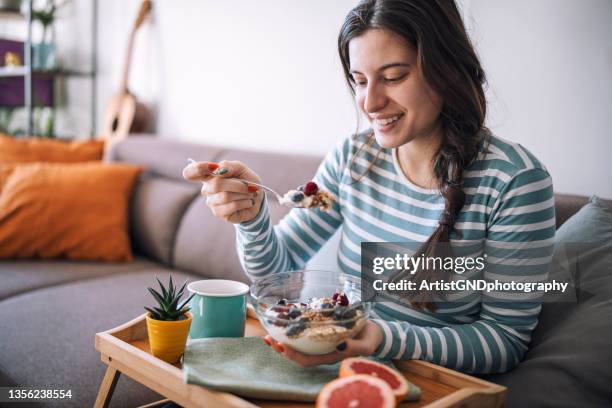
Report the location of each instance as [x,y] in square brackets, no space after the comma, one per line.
[248,368]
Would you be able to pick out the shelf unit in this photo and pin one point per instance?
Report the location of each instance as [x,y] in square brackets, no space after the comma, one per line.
[27,72]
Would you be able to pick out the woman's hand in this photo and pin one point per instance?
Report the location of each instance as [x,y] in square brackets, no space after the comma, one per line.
[364,344]
[229,199]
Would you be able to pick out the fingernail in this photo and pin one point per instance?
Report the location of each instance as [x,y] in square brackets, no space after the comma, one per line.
[268,342]
[213,166]
[221,171]
[252,189]
[341,346]
[281,348]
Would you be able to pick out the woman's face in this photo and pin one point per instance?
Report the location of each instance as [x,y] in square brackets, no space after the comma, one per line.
[390,88]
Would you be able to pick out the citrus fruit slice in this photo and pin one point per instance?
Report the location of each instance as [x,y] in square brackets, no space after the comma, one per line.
[356,391]
[393,378]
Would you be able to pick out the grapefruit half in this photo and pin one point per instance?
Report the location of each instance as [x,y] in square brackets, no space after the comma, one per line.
[395,380]
[356,391]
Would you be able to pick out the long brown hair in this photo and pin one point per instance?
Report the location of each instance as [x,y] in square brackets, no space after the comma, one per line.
[451,68]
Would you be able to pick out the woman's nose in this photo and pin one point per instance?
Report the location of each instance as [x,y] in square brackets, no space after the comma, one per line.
[375,98]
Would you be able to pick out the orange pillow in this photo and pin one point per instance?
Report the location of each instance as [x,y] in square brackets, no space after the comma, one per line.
[74,211]
[48,150]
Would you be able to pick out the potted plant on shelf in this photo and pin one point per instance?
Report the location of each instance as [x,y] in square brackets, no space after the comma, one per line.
[168,325]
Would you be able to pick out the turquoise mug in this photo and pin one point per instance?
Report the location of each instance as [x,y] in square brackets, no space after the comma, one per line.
[218,308]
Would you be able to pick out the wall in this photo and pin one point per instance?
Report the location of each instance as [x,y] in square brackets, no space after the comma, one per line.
[265,75]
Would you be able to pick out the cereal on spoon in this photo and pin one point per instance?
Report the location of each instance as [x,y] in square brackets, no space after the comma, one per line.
[309,196]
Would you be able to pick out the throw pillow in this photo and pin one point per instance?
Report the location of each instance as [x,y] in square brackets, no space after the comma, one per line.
[48,150]
[572,339]
[75,211]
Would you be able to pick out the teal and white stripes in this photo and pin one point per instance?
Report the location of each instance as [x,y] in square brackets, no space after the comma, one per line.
[508,215]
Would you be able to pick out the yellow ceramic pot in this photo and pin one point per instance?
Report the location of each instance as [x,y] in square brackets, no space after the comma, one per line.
[168,339]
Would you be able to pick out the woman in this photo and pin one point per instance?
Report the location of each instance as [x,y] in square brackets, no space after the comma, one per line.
[428,171]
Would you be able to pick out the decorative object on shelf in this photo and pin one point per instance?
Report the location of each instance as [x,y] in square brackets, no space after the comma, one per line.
[44,53]
[168,325]
[123,113]
[12,59]
[10,5]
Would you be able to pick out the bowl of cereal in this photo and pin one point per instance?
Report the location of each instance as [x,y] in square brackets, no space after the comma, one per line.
[311,311]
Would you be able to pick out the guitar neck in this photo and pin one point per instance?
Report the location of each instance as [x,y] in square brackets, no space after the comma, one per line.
[145,8]
[127,63]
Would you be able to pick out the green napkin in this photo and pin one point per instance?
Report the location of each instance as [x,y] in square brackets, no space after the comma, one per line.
[247,367]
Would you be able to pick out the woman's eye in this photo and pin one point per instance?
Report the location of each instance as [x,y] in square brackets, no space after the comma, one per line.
[395,79]
[359,82]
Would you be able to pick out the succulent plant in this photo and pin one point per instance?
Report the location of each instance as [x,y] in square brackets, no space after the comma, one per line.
[169,307]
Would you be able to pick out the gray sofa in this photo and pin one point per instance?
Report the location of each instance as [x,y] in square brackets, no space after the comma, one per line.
[50,311]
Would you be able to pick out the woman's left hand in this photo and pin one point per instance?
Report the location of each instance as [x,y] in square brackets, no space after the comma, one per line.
[364,344]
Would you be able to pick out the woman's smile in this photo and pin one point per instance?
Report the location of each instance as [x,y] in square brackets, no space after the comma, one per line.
[386,123]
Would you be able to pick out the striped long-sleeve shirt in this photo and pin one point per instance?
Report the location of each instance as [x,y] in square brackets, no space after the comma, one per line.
[509,211]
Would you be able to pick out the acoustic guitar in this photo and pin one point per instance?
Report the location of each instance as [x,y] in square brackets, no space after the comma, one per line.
[123,113]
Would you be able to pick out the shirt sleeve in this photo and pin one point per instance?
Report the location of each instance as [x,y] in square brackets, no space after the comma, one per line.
[264,249]
[519,247]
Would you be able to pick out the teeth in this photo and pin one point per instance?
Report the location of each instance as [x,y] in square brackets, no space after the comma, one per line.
[384,122]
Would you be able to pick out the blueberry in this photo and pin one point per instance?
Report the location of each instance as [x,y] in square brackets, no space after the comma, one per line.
[294,313]
[297,197]
[282,302]
[343,313]
[295,329]
[348,325]
[328,309]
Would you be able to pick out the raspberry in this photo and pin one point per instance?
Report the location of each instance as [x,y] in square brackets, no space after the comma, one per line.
[335,296]
[343,299]
[311,188]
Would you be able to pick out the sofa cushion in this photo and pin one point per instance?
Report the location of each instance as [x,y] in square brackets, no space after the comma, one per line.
[21,276]
[48,335]
[74,211]
[206,245]
[163,157]
[35,149]
[569,357]
[157,206]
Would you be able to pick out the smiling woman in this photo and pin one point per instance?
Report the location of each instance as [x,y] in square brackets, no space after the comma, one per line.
[428,172]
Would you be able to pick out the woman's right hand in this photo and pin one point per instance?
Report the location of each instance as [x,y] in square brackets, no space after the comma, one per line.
[229,195]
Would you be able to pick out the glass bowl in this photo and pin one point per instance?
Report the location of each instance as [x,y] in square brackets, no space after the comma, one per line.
[297,308]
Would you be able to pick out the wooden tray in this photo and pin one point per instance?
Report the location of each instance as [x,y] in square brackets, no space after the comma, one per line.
[125,349]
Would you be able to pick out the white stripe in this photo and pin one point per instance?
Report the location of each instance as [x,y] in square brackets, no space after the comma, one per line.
[428,344]
[402,338]
[388,338]
[305,229]
[486,308]
[386,209]
[500,345]
[322,224]
[386,226]
[489,172]
[526,209]
[483,190]
[367,181]
[455,335]
[297,239]
[528,188]
[548,242]
[519,149]
[444,347]
[355,267]
[496,151]
[486,349]
[536,226]
[418,352]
